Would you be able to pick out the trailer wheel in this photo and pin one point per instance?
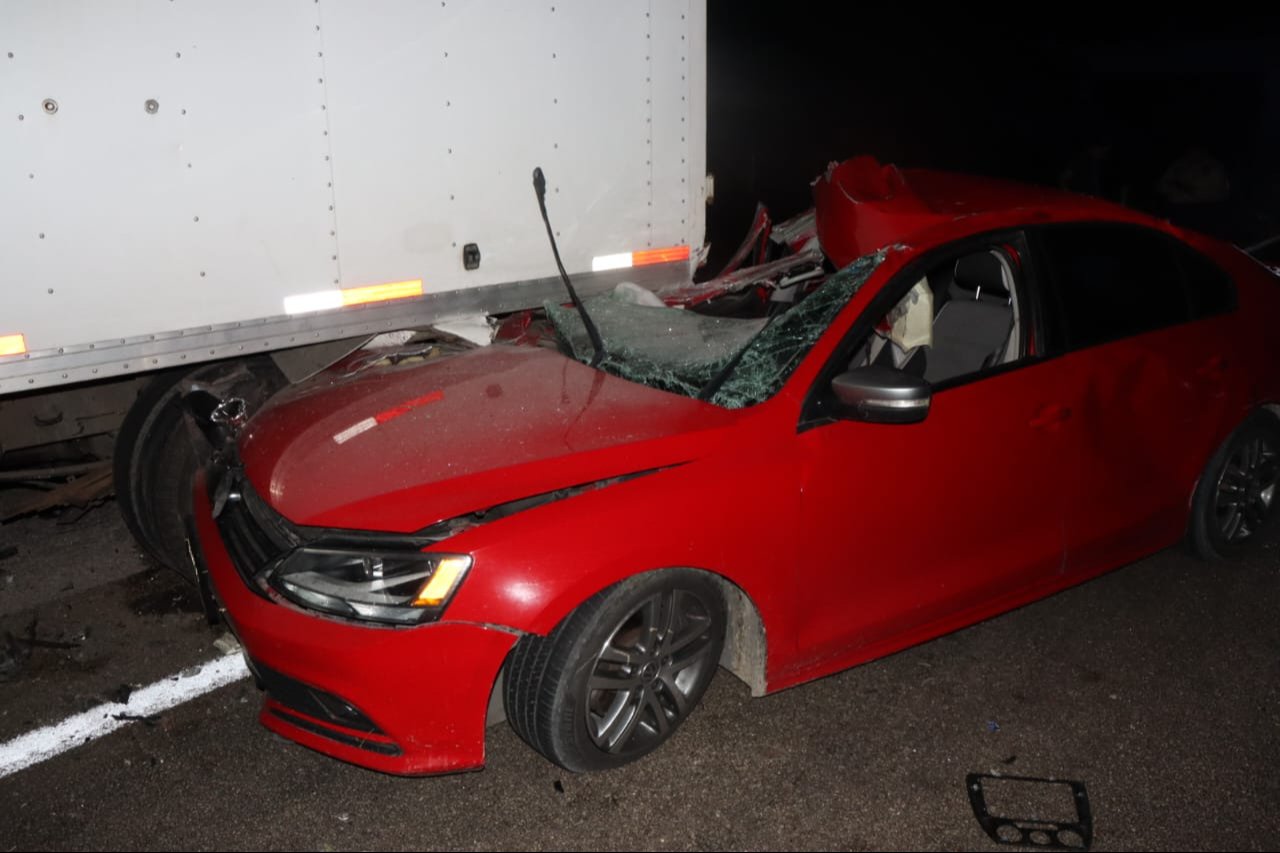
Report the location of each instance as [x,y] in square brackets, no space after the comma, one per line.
[155,456]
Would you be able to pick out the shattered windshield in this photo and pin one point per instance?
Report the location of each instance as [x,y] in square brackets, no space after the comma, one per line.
[682,351]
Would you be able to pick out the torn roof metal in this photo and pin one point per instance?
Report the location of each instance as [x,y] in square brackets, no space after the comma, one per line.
[863,205]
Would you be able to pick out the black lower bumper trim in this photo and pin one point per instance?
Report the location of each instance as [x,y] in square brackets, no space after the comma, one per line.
[312,701]
[341,737]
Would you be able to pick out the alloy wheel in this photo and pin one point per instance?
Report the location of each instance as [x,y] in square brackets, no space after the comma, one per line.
[1246,490]
[647,674]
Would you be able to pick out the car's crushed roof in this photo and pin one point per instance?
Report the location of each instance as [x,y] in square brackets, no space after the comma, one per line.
[863,205]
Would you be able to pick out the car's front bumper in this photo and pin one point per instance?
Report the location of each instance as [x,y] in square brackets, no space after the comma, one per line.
[400,700]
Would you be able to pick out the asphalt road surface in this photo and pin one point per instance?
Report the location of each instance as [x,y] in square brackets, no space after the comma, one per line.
[1157,687]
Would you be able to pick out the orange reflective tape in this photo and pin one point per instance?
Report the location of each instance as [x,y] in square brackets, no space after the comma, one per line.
[666,255]
[381,292]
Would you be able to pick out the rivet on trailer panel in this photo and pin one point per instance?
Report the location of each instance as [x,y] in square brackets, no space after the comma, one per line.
[152,106]
[50,106]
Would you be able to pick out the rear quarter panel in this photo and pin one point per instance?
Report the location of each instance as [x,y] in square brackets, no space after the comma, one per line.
[1257,333]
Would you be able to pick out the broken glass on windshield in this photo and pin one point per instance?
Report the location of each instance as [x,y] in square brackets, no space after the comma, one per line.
[682,351]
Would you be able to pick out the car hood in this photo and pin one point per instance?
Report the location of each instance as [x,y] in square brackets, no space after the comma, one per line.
[399,447]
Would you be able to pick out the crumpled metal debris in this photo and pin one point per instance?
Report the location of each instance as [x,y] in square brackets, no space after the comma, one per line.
[755,244]
[779,273]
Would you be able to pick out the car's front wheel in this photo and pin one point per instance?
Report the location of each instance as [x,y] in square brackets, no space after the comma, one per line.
[1235,505]
[616,678]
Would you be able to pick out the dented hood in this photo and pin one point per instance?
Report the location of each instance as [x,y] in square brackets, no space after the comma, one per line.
[397,448]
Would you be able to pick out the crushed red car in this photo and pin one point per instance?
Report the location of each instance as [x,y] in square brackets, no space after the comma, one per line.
[974,395]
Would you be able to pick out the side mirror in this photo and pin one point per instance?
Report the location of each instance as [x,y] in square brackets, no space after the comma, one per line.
[882,395]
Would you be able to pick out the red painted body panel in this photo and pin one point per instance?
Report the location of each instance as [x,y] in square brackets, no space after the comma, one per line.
[427,688]
[914,522]
[850,539]
[862,206]
[499,423]
[1151,416]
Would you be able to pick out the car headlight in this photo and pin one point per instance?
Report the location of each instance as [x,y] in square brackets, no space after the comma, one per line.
[398,587]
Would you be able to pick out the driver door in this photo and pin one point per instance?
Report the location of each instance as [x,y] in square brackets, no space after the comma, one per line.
[915,529]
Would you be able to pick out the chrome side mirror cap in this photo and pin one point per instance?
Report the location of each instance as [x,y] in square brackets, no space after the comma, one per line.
[882,395]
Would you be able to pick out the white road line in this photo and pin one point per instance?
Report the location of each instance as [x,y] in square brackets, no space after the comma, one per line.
[43,744]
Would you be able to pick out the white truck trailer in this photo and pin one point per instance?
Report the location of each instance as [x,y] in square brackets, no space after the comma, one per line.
[237,191]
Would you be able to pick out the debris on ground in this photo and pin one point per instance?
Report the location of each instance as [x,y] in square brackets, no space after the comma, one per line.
[120,695]
[15,649]
[146,719]
[13,657]
[1055,813]
[83,486]
[227,643]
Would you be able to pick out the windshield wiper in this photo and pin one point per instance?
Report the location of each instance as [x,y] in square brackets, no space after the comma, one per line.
[540,187]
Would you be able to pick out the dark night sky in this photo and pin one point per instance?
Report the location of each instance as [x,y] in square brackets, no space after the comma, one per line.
[790,90]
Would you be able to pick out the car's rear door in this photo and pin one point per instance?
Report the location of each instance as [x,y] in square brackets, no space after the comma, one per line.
[1143,320]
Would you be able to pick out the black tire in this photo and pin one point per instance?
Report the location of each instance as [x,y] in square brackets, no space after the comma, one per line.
[150,442]
[616,678]
[155,458]
[1234,508]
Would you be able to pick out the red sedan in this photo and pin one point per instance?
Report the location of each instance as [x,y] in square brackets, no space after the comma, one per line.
[1002,392]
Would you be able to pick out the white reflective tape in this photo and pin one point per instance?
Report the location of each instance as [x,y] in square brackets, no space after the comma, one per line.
[303,303]
[354,430]
[620,261]
[43,744]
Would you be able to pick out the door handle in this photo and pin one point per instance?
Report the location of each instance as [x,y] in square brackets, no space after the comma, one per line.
[1050,415]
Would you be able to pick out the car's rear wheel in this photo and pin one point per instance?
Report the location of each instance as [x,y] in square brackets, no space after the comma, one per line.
[616,678]
[1235,505]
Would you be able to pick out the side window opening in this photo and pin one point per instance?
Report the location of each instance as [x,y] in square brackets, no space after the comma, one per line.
[1114,281]
[1209,287]
[961,318]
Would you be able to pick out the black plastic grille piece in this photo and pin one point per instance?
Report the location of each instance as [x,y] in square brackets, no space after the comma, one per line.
[312,701]
[380,747]
[254,534]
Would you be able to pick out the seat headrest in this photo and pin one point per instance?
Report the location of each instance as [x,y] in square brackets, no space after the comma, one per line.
[981,272]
